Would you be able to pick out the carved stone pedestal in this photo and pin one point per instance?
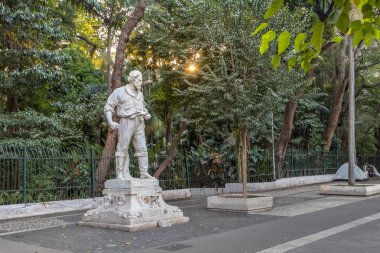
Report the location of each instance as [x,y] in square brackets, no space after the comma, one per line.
[132,205]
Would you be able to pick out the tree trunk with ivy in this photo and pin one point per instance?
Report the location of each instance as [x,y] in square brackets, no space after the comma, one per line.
[338,95]
[110,145]
[286,132]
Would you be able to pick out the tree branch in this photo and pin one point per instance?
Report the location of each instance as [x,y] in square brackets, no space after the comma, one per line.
[126,30]
[94,46]
[172,151]
[368,66]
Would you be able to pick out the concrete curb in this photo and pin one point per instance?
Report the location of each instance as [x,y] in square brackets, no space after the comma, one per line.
[346,190]
[205,192]
[22,210]
[176,194]
[280,183]
[33,209]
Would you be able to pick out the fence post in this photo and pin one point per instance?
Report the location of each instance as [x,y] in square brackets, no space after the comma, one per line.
[92,166]
[25,157]
[307,163]
[291,162]
[323,163]
[187,169]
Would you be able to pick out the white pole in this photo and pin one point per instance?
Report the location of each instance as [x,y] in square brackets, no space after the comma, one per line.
[351,115]
[273,154]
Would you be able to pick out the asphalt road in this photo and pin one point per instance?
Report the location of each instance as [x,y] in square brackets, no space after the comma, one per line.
[302,221]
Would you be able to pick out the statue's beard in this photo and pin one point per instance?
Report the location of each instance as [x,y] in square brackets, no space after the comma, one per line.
[137,88]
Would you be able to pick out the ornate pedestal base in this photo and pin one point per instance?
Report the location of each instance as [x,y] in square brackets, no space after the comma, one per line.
[132,205]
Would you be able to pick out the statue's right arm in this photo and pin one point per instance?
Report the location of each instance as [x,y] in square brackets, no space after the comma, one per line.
[114,125]
[109,109]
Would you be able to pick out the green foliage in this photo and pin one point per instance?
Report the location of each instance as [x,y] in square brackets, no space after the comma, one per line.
[82,70]
[265,40]
[366,145]
[259,28]
[317,37]
[299,41]
[361,21]
[32,35]
[7,198]
[91,6]
[41,73]
[276,60]
[283,42]
[308,129]
[273,8]
[32,129]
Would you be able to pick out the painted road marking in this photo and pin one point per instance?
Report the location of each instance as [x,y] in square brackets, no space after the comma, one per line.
[320,235]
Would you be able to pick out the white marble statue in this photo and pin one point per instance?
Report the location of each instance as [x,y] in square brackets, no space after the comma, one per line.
[128,103]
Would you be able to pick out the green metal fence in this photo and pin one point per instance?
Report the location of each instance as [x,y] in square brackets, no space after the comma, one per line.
[215,172]
[46,174]
[306,163]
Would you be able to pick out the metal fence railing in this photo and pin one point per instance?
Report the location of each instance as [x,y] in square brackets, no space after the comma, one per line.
[312,163]
[41,174]
[46,174]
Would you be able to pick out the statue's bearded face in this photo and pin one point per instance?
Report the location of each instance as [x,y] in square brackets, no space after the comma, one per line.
[137,82]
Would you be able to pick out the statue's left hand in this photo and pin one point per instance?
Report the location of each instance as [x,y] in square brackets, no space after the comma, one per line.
[147,116]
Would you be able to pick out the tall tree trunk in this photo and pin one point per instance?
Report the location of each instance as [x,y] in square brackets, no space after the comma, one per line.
[172,151]
[338,95]
[169,126]
[12,102]
[286,132]
[126,30]
[109,61]
[377,136]
[109,46]
[1,101]
[351,115]
[244,134]
[110,145]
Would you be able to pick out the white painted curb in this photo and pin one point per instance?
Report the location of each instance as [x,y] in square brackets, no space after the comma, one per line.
[205,192]
[21,210]
[176,194]
[280,183]
[33,209]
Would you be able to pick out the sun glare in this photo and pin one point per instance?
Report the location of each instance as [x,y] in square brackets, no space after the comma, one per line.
[192,68]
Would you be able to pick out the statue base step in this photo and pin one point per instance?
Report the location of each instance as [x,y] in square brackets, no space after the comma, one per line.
[132,205]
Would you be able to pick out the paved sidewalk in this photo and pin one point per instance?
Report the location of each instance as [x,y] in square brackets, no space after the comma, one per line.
[301,221]
[292,234]
[7,246]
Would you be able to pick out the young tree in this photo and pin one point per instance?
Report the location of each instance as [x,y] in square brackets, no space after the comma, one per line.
[232,91]
[345,16]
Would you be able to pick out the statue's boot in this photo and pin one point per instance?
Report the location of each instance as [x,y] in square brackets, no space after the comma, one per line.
[119,167]
[126,173]
[143,166]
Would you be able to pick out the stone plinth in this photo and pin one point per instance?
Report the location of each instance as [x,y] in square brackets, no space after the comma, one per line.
[346,190]
[236,202]
[132,205]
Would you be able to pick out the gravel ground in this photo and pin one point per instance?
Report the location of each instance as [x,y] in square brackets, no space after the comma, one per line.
[80,239]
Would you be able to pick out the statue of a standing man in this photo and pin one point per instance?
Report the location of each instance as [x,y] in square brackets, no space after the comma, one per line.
[128,103]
